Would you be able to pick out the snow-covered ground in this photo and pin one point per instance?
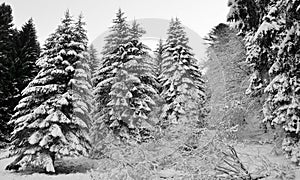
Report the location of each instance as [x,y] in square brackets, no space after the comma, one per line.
[68,169]
[252,155]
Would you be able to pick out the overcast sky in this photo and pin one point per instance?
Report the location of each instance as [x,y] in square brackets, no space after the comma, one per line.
[199,15]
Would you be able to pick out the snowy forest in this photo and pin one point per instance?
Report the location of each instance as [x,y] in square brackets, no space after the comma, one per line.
[131,113]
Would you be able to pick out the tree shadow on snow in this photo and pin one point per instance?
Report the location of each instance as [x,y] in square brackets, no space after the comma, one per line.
[65,166]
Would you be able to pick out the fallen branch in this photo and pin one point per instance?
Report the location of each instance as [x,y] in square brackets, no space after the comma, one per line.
[232,167]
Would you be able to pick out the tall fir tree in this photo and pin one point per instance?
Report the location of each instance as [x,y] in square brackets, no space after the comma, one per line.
[119,34]
[261,52]
[158,52]
[28,51]
[25,54]
[6,47]
[181,79]
[20,50]
[273,55]
[136,31]
[125,111]
[131,98]
[52,118]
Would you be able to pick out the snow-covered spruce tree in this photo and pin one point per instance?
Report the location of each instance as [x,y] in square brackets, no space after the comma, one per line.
[119,34]
[278,33]
[105,72]
[245,14]
[136,31]
[52,118]
[6,46]
[181,79]
[282,106]
[149,76]
[130,99]
[261,32]
[83,65]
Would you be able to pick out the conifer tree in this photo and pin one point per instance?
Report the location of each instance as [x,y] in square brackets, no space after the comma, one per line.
[136,31]
[126,108]
[20,50]
[282,105]
[106,71]
[131,98]
[273,54]
[248,15]
[25,53]
[6,46]
[52,119]
[119,34]
[181,79]
[159,51]
[94,61]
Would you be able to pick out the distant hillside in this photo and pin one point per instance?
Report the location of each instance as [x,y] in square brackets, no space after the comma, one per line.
[156,29]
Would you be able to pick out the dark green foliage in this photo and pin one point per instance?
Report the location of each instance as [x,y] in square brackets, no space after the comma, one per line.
[26,52]
[6,46]
[19,51]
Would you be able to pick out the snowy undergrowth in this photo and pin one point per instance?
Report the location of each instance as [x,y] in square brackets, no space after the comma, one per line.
[170,157]
[192,156]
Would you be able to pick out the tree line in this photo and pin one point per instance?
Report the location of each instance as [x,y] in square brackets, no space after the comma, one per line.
[72,102]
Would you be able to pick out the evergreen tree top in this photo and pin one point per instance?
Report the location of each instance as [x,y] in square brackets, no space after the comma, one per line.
[6,24]
[6,17]
[176,34]
[62,35]
[29,30]
[80,30]
[219,32]
[67,20]
[120,18]
[119,33]
[136,30]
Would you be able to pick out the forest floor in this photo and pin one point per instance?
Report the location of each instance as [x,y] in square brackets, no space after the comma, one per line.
[254,156]
[67,169]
